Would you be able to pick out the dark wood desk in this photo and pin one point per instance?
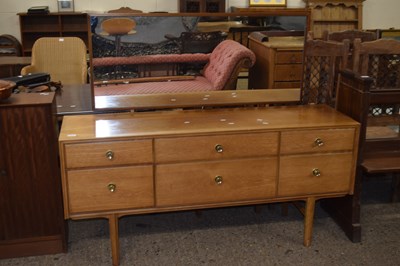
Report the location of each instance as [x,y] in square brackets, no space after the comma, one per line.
[11,65]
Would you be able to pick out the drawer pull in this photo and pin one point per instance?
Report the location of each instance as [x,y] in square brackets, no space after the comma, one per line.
[110,155]
[219,148]
[319,142]
[316,172]
[218,180]
[112,187]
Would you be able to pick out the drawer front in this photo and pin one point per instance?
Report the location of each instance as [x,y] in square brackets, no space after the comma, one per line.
[215,147]
[286,84]
[287,73]
[289,57]
[108,153]
[197,183]
[309,141]
[91,190]
[315,174]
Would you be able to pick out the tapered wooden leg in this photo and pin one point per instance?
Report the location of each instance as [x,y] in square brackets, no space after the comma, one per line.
[396,187]
[113,224]
[308,221]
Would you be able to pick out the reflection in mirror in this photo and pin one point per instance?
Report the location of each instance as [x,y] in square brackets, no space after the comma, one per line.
[167,53]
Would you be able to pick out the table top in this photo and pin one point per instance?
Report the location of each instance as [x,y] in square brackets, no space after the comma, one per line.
[74,100]
[218,120]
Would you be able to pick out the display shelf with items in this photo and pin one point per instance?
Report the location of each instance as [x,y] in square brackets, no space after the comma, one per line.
[35,26]
[334,15]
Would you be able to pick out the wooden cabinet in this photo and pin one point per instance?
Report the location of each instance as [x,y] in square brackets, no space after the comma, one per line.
[335,15]
[196,6]
[131,163]
[35,26]
[31,216]
[278,63]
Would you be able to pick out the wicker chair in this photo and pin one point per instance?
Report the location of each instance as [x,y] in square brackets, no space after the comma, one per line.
[63,58]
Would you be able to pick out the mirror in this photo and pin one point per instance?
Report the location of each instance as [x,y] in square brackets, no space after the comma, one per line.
[136,48]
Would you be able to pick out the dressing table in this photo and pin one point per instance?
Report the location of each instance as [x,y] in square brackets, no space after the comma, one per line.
[176,152]
[121,164]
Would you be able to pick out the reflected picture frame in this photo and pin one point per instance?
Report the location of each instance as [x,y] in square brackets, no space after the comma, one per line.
[267,3]
[65,5]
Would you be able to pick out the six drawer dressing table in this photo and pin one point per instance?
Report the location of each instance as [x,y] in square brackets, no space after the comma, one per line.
[121,164]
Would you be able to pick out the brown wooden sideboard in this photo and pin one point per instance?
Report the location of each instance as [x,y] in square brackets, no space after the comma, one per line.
[31,210]
[145,162]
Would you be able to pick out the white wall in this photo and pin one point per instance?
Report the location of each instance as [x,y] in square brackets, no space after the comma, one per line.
[376,13]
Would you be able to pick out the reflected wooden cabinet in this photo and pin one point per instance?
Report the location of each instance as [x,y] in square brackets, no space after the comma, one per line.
[196,6]
[35,26]
[278,63]
[334,15]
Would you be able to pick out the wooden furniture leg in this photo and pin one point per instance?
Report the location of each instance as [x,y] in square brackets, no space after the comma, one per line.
[113,224]
[396,187]
[308,220]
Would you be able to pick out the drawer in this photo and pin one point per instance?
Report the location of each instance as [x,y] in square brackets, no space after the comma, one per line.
[298,175]
[287,72]
[197,183]
[309,141]
[215,147]
[108,153]
[289,57]
[90,190]
[286,84]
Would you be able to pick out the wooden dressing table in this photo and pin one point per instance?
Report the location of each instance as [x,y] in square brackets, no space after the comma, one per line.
[121,164]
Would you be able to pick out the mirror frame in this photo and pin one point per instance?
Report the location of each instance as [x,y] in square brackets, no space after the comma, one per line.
[130,102]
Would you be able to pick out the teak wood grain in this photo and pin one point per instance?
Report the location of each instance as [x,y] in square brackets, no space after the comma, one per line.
[205,158]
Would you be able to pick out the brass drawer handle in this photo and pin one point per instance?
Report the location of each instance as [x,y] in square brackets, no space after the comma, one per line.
[218,179]
[110,155]
[219,148]
[112,187]
[319,142]
[316,172]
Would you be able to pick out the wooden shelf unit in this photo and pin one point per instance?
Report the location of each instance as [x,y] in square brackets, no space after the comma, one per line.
[196,6]
[33,27]
[334,15]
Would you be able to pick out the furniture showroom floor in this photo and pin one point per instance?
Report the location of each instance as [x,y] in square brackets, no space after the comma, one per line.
[237,236]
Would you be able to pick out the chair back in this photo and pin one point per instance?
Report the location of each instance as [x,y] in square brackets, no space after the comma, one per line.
[350,36]
[225,63]
[379,59]
[322,61]
[63,58]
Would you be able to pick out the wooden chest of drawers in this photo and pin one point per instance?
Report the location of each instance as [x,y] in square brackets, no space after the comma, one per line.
[278,63]
[122,164]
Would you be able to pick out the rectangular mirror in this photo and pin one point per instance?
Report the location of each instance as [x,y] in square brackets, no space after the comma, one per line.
[136,57]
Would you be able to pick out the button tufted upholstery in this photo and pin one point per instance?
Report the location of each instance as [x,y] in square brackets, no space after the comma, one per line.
[220,72]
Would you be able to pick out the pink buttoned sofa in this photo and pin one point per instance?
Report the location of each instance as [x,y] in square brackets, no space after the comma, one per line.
[220,72]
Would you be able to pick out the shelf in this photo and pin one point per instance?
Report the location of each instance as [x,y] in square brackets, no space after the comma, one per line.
[334,15]
[33,27]
[336,20]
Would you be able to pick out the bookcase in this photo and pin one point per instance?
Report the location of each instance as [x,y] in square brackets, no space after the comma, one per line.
[334,15]
[196,6]
[35,26]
